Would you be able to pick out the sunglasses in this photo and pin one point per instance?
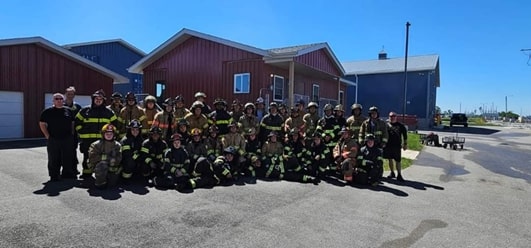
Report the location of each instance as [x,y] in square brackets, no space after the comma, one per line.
[58,98]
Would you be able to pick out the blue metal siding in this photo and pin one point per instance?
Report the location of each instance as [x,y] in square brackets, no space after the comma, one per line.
[116,57]
[386,91]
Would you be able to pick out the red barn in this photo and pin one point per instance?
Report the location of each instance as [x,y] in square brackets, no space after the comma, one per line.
[191,61]
[31,69]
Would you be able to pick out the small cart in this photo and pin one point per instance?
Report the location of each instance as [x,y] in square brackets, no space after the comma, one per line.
[453,142]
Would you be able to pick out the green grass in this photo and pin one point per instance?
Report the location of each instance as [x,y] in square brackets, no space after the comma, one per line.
[413,143]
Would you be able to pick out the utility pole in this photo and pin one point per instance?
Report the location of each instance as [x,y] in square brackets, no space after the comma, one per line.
[405,73]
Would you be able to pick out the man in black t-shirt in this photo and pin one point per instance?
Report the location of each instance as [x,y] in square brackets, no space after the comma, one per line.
[396,142]
[57,125]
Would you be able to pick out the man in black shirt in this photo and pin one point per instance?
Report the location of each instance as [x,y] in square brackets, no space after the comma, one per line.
[397,141]
[57,125]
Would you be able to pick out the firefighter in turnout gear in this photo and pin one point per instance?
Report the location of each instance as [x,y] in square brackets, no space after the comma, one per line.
[344,147]
[213,143]
[310,120]
[182,128]
[105,158]
[88,124]
[220,117]
[165,120]
[203,175]
[176,166]
[249,120]
[196,148]
[236,110]
[376,127]
[150,110]
[327,127]
[253,150]
[271,122]
[131,144]
[355,120]
[130,112]
[320,155]
[234,139]
[225,166]
[296,159]
[180,111]
[339,121]
[152,154]
[272,159]
[196,119]
[294,121]
[201,97]
[370,163]
[117,103]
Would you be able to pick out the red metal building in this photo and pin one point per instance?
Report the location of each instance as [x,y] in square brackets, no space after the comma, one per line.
[31,69]
[191,61]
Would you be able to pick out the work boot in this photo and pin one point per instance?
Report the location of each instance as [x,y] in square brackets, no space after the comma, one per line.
[400,178]
[392,175]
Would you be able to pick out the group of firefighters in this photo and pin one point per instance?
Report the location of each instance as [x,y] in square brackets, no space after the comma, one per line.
[202,147]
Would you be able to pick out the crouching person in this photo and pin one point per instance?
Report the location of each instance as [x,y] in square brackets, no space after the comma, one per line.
[105,157]
[176,166]
[370,163]
[202,175]
[152,154]
[296,161]
[224,166]
[345,147]
[131,144]
[272,158]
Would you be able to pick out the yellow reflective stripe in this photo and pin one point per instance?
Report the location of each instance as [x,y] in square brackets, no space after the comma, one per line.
[142,118]
[114,169]
[225,172]
[126,147]
[273,128]
[378,133]
[78,127]
[384,140]
[89,136]
[104,157]
[192,182]
[87,171]
[173,169]
[135,156]
[99,120]
[127,175]
[144,149]
[222,121]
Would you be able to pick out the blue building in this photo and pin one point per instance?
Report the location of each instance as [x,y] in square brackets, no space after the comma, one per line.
[381,83]
[116,55]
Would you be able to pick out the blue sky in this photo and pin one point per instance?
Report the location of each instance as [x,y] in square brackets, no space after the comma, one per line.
[478,42]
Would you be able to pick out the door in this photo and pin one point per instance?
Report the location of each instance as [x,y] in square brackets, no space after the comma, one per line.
[11,114]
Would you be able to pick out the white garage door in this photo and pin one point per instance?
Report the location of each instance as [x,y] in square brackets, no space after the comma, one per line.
[11,114]
[80,99]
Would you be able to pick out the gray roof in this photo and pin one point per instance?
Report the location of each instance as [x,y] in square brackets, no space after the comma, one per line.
[414,63]
[293,49]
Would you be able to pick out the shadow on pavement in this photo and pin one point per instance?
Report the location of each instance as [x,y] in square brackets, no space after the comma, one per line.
[55,188]
[381,188]
[111,194]
[412,184]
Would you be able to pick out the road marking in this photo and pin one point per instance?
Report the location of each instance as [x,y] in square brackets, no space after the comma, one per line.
[517,170]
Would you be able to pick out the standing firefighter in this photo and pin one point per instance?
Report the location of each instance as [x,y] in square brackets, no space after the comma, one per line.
[271,122]
[105,157]
[165,121]
[180,111]
[310,120]
[220,117]
[117,103]
[355,120]
[130,112]
[89,122]
[294,121]
[150,110]
[131,144]
[248,120]
[196,119]
[374,126]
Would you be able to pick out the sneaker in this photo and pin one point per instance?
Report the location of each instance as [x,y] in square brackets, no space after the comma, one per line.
[400,178]
[392,175]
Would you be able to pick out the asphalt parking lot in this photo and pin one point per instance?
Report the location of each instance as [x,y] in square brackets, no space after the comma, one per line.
[475,197]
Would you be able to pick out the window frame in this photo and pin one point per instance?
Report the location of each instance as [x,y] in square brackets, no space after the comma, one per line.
[341,96]
[313,98]
[275,88]
[234,85]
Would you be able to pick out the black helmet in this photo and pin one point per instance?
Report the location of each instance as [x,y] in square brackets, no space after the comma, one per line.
[229,150]
[273,105]
[117,95]
[183,122]
[179,98]
[294,131]
[155,130]
[369,136]
[130,95]
[373,109]
[213,129]
[99,93]
[272,133]
[220,101]
[168,102]
[134,123]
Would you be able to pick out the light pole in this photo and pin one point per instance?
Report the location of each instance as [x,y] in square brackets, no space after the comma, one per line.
[405,73]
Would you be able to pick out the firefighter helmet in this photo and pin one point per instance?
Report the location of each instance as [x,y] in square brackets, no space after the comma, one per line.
[195,132]
[251,131]
[197,104]
[272,133]
[313,104]
[183,122]
[134,123]
[213,129]
[369,136]
[220,101]
[155,130]
[249,105]
[150,98]
[108,128]
[179,98]
[176,136]
[356,106]
[373,109]
[168,102]
[130,96]
[233,124]
[99,93]
[230,150]
[339,107]
[294,131]
[200,94]
[273,104]
[259,100]
[328,106]
[235,102]
[117,95]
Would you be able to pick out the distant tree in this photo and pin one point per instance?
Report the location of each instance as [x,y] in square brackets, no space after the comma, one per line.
[437,110]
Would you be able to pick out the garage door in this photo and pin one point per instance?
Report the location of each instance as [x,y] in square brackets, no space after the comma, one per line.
[11,114]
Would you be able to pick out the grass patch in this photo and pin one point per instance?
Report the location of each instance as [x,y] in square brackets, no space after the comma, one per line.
[413,143]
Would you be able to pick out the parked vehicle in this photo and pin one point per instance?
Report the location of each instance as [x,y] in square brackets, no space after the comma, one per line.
[459,119]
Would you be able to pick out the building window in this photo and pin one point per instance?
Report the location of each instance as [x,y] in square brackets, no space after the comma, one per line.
[341,97]
[315,93]
[278,88]
[160,90]
[242,83]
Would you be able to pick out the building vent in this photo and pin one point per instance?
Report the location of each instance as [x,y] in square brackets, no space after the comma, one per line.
[382,54]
